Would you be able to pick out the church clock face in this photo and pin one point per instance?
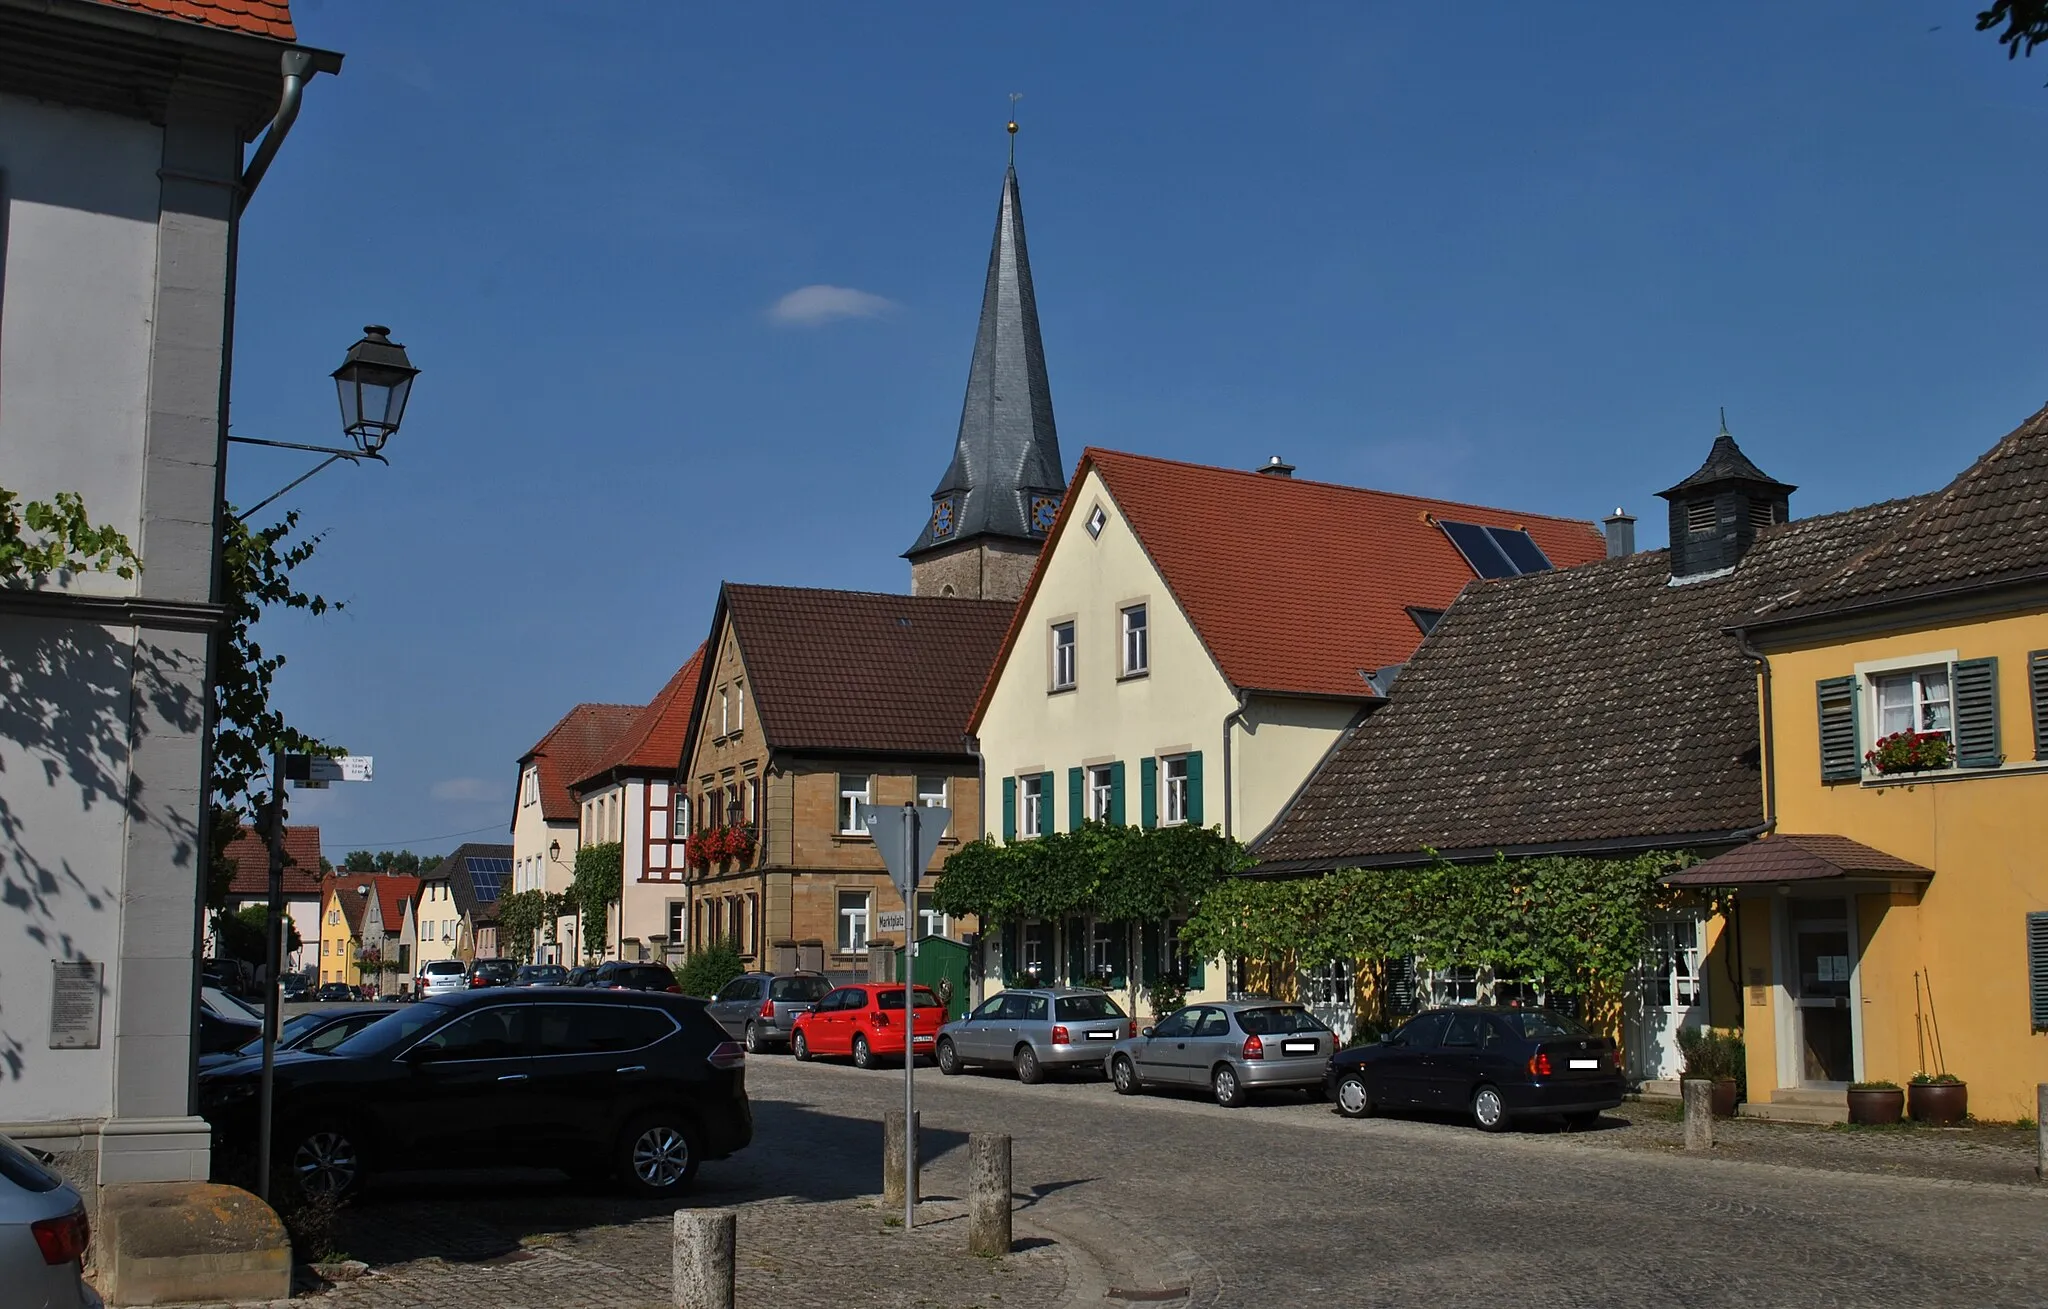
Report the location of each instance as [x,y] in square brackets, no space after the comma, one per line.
[942,517]
[1044,509]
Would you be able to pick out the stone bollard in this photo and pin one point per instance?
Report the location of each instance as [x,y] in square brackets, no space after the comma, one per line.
[702,1273]
[988,1193]
[892,1160]
[2041,1132]
[1699,1114]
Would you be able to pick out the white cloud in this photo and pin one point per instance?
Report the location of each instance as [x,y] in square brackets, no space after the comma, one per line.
[467,789]
[814,306]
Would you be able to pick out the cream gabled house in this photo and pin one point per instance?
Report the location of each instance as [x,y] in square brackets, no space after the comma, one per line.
[546,821]
[1193,642]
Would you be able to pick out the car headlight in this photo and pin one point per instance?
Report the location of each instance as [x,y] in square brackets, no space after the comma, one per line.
[228,1093]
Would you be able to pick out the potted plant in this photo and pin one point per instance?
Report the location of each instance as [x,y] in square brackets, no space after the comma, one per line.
[1942,1099]
[1908,752]
[1876,1104]
[1715,1057]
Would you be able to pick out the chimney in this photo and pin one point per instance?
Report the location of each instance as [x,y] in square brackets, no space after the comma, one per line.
[1621,533]
[1276,467]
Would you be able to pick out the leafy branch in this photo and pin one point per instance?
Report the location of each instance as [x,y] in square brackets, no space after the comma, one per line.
[595,888]
[1114,874]
[64,540]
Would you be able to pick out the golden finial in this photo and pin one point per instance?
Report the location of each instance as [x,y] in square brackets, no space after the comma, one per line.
[1015,96]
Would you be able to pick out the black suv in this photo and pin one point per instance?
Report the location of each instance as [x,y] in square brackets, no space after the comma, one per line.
[620,976]
[640,1088]
[492,972]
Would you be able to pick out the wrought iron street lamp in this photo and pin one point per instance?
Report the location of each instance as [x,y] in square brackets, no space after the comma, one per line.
[374,382]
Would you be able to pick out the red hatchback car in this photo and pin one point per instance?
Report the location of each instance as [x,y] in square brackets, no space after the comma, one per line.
[866,1021]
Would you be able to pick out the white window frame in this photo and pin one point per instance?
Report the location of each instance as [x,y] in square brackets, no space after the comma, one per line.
[1031,806]
[936,799]
[930,922]
[853,921]
[739,706]
[1064,655]
[1136,639]
[849,803]
[1099,791]
[530,786]
[1102,939]
[724,711]
[1919,702]
[1173,790]
[679,829]
[679,922]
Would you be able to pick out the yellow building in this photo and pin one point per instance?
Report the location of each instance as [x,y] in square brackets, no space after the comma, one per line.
[341,930]
[1896,919]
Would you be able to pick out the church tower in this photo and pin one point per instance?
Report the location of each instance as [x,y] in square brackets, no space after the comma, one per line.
[992,509]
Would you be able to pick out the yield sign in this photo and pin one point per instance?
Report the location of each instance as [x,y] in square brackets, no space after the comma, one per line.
[907,835]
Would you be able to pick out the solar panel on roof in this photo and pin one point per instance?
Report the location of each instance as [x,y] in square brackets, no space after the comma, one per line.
[486,874]
[1480,551]
[1522,552]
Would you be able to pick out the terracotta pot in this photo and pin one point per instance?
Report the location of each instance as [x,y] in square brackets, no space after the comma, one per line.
[1726,1089]
[1876,1108]
[1940,1103]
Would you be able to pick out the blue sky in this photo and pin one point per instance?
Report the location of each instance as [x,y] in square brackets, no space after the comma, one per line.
[1518,258]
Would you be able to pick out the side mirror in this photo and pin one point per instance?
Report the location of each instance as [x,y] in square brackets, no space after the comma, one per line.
[423,1054]
[1390,1038]
[1146,1032]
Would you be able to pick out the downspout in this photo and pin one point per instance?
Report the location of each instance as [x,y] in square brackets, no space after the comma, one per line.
[297,66]
[1230,720]
[1769,760]
[980,959]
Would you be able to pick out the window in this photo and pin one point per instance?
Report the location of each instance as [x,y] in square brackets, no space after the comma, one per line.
[1762,513]
[739,706]
[1700,517]
[930,922]
[724,710]
[1178,1024]
[1106,950]
[1062,656]
[733,811]
[530,786]
[599,1029]
[1084,1008]
[681,827]
[1101,792]
[1174,776]
[853,922]
[1464,1031]
[1034,950]
[1212,1022]
[678,922]
[750,802]
[495,1033]
[1097,520]
[931,792]
[1458,986]
[1137,642]
[1915,701]
[853,793]
[1031,805]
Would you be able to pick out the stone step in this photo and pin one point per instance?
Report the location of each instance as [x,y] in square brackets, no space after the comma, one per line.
[1794,1113]
[1810,1095]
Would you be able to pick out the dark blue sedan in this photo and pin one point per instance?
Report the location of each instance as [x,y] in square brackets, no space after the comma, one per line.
[1495,1064]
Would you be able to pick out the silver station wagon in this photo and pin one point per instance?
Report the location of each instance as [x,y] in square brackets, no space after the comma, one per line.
[1232,1047]
[1034,1029]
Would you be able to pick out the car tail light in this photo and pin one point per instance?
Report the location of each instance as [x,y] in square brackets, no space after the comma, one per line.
[673,990]
[881,1018]
[726,1056]
[1539,1065]
[1059,1036]
[767,1009]
[63,1239]
[1254,1048]
[1131,1028]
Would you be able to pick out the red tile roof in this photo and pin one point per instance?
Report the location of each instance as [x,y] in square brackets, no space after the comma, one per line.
[566,754]
[1295,585]
[653,740]
[271,18]
[252,862]
[392,895]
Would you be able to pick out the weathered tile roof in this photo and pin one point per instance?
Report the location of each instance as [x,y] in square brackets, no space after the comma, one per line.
[1295,585]
[1796,858]
[1585,705]
[856,671]
[351,901]
[271,18]
[252,862]
[1987,527]
[565,755]
[653,741]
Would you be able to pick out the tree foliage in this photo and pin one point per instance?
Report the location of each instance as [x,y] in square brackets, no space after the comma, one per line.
[240,935]
[1115,874]
[595,889]
[523,915]
[401,862]
[2025,23]
[41,537]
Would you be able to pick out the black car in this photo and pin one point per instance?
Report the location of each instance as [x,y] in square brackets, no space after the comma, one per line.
[621,976]
[580,976]
[1496,1064]
[335,993]
[219,1034]
[541,975]
[641,1088]
[492,972]
[297,987]
[317,1032]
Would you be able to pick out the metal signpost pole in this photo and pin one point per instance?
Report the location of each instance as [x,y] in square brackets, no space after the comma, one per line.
[908,885]
[274,953]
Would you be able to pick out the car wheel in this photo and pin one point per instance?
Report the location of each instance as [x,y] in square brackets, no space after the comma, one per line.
[863,1057]
[1125,1075]
[800,1046]
[1029,1070]
[753,1038]
[1354,1098]
[658,1155]
[325,1162]
[1230,1092]
[949,1059]
[1489,1111]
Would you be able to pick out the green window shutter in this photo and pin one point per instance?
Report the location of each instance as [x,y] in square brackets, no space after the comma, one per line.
[1195,789]
[1149,951]
[1116,788]
[1841,747]
[1148,791]
[2037,685]
[1013,961]
[1076,806]
[1009,810]
[1046,825]
[1119,961]
[1974,684]
[1077,950]
[2037,968]
[1198,970]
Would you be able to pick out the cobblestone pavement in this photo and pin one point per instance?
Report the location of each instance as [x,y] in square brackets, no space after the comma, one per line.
[1171,1199]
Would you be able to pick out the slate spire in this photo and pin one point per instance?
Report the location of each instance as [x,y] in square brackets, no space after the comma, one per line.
[1006,478]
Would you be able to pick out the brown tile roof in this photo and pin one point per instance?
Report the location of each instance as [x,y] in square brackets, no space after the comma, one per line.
[1295,585]
[271,18]
[1796,858]
[352,903]
[653,741]
[455,870]
[855,671]
[584,735]
[252,862]
[1987,527]
[1569,708]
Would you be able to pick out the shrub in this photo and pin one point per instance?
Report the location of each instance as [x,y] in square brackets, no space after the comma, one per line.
[709,969]
[1709,1054]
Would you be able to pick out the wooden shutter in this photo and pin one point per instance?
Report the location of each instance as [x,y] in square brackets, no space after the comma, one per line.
[1119,957]
[1198,968]
[1116,794]
[2037,969]
[1974,685]
[1401,984]
[1046,826]
[1009,810]
[1013,961]
[1195,788]
[1148,791]
[1077,950]
[1077,806]
[2037,686]
[1149,950]
[1841,746]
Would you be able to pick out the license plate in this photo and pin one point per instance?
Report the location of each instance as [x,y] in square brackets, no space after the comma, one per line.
[1585,1063]
[1102,1036]
[924,1040]
[1298,1047]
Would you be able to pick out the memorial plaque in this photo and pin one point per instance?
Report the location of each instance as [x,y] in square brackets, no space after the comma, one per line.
[74,1005]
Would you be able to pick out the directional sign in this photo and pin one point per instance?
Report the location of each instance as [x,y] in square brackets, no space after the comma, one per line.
[891,825]
[316,771]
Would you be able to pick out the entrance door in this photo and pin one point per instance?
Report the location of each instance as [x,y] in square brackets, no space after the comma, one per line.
[1820,945]
[1672,996]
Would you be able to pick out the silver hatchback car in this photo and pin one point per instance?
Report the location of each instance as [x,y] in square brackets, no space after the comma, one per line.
[760,1009]
[43,1235]
[1233,1047]
[1033,1029]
